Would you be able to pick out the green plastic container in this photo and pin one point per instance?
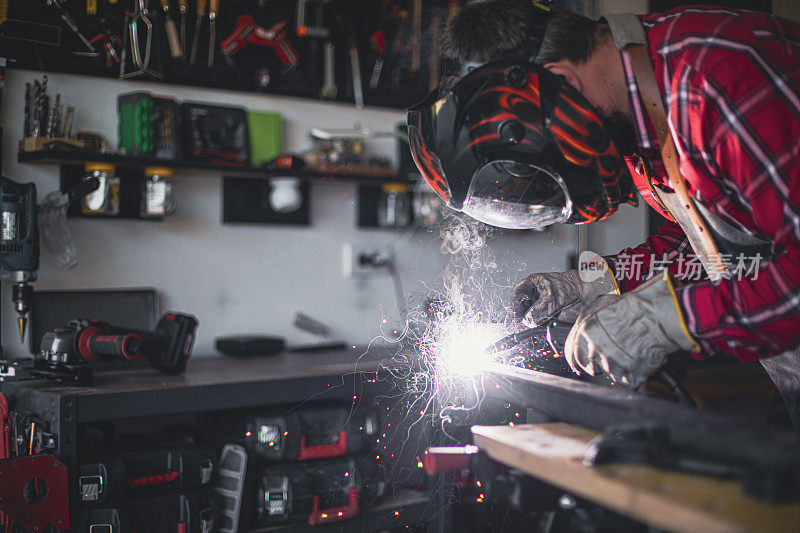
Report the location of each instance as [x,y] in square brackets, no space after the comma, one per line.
[266,136]
[135,115]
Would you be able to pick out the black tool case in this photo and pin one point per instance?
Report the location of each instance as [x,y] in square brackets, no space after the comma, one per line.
[316,492]
[127,474]
[185,512]
[215,133]
[308,433]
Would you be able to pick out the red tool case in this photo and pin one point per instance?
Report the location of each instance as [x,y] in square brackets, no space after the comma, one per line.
[184,512]
[316,492]
[132,474]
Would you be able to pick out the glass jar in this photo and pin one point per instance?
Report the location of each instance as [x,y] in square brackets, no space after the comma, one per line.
[394,206]
[105,200]
[157,199]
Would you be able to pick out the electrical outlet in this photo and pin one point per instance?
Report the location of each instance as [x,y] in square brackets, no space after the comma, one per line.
[353,264]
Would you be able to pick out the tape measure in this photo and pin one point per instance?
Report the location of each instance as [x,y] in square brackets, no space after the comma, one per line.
[91,7]
[3,10]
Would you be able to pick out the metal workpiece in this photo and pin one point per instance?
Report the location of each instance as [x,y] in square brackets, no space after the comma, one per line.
[599,407]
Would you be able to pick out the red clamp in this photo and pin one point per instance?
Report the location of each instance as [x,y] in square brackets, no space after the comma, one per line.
[322,451]
[248,32]
[110,42]
[334,514]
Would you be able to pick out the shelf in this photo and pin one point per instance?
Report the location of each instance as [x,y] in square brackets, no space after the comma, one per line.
[61,156]
[401,508]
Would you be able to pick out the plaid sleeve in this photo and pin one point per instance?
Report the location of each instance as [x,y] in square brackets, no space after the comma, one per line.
[738,127]
[668,248]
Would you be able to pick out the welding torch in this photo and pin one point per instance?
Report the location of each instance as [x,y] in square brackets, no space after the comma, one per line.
[555,333]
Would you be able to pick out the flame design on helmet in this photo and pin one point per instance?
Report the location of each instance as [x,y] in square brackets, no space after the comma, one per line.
[583,140]
[428,164]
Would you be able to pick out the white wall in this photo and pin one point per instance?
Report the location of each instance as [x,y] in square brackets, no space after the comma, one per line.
[253,278]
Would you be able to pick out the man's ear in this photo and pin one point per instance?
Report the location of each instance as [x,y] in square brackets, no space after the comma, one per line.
[564,69]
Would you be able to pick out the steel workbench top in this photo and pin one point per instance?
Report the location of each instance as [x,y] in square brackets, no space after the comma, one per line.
[211,383]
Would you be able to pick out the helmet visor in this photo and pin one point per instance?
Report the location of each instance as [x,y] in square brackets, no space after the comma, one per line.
[513,195]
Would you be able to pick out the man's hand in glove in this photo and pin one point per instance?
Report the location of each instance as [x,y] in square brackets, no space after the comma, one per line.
[541,296]
[629,337]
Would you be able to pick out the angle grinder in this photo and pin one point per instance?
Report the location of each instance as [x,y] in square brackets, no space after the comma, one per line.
[548,340]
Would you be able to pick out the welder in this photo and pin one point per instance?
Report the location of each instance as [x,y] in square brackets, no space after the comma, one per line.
[557,118]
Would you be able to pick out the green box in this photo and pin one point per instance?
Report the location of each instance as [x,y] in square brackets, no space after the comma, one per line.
[266,136]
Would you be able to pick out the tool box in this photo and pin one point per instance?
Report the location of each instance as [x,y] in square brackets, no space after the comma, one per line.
[132,474]
[219,134]
[318,492]
[186,512]
[266,136]
[135,115]
[305,434]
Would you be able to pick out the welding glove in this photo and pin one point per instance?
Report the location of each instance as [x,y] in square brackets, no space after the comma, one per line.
[542,296]
[629,337]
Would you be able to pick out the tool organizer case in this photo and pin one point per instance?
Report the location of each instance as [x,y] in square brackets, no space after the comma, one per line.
[215,133]
[318,492]
[123,475]
[135,126]
[307,433]
[186,512]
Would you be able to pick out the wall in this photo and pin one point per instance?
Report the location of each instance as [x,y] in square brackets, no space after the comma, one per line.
[254,278]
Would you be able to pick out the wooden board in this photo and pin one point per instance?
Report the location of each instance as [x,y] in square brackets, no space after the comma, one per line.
[671,500]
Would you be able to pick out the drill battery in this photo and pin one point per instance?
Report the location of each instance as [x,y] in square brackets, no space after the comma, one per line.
[125,475]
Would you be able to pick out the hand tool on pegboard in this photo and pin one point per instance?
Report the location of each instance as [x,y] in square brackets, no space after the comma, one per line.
[183,9]
[213,5]
[416,36]
[310,19]
[329,89]
[140,51]
[200,13]
[173,40]
[63,14]
[355,68]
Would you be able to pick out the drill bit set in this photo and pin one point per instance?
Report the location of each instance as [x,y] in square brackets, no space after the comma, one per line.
[48,121]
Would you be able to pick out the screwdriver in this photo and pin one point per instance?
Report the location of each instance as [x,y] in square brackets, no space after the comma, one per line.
[172,32]
[183,8]
[212,36]
[201,11]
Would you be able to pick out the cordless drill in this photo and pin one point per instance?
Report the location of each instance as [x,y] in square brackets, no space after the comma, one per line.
[19,244]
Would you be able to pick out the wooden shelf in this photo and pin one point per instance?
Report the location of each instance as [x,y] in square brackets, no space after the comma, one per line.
[61,156]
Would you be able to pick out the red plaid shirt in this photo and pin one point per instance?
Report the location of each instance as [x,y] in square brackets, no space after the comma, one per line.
[730,81]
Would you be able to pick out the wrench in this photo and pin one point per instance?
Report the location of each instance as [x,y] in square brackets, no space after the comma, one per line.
[329,86]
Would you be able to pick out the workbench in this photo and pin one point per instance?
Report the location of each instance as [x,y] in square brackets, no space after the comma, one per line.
[210,384]
[674,501]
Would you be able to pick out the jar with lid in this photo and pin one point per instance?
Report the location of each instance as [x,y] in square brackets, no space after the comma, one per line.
[157,199]
[105,200]
[394,205]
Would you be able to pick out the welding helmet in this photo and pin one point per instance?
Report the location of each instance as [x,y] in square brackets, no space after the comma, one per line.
[516,146]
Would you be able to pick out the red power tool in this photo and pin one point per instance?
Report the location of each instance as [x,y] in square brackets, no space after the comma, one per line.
[66,353]
[248,32]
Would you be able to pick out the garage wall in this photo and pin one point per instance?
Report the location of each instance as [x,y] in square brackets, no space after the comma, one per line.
[254,278]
